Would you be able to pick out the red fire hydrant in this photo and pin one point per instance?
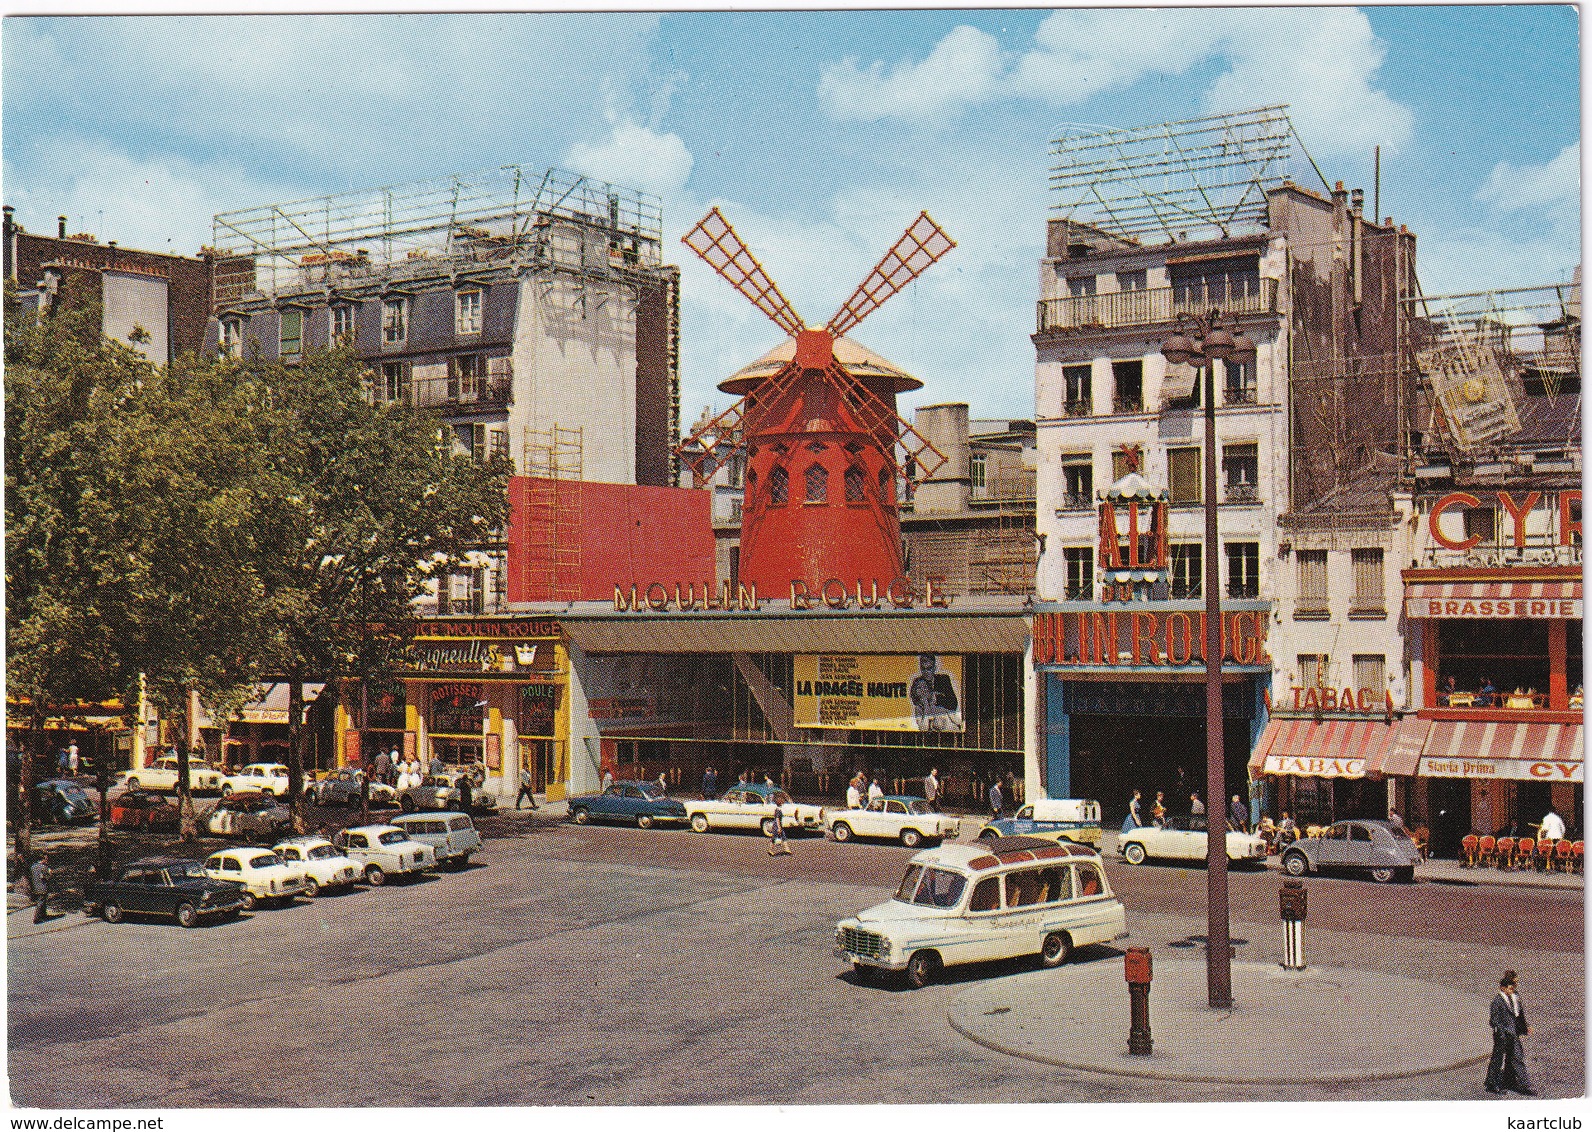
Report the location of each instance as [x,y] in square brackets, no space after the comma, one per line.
[1136,968]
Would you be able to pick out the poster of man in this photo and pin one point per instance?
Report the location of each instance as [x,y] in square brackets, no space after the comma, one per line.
[935,705]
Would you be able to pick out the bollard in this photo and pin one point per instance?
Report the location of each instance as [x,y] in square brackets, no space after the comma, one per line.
[1292,900]
[1137,970]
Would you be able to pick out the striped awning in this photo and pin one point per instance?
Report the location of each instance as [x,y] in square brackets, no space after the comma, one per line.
[1343,747]
[1525,598]
[1530,752]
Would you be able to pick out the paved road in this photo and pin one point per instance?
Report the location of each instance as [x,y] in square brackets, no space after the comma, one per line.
[620,967]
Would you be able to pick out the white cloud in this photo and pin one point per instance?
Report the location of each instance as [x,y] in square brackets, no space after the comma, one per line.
[1321,61]
[636,157]
[1460,259]
[1553,184]
[960,72]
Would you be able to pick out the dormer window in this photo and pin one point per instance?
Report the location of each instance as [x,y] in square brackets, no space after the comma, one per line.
[467,312]
[231,344]
[394,321]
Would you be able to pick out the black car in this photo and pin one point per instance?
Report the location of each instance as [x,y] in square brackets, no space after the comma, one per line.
[342,787]
[163,886]
[62,800]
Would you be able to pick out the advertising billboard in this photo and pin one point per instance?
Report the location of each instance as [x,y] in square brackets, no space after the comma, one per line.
[879,693]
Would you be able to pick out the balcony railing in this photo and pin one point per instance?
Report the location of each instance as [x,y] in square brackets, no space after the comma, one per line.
[1242,493]
[1239,395]
[453,392]
[1128,403]
[1081,408]
[1145,308]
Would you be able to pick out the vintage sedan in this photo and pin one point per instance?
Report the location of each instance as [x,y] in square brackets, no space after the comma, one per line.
[643,803]
[163,886]
[899,817]
[452,837]
[752,807]
[136,809]
[342,787]
[268,778]
[1055,819]
[263,875]
[322,863]
[62,801]
[441,792]
[1381,851]
[993,900]
[1184,838]
[163,776]
[383,850]
[248,815]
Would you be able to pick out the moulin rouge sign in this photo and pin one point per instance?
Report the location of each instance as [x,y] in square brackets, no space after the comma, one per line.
[1140,639]
[690,597]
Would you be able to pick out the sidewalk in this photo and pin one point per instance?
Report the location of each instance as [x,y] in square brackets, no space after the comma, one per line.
[1077,1017]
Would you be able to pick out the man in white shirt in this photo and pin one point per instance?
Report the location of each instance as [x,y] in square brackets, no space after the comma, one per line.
[853,795]
[875,791]
[931,785]
[1552,826]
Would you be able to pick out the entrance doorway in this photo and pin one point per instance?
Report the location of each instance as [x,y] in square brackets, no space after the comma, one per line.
[1448,802]
[1114,755]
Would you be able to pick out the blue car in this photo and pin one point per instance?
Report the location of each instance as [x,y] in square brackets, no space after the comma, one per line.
[62,801]
[641,802]
[1055,819]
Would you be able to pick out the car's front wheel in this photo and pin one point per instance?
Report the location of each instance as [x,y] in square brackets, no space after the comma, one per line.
[580,816]
[312,888]
[226,789]
[643,821]
[1383,874]
[842,832]
[406,804]
[1133,853]
[375,876]
[1295,864]
[1054,951]
[250,901]
[111,912]
[911,838]
[922,968]
[132,784]
[187,915]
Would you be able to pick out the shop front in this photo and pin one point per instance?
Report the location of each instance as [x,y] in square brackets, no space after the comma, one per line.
[1122,693]
[482,692]
[1330,763]
[805,696]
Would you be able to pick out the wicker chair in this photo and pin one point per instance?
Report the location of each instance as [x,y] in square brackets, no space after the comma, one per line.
[1579,855]
[1525,850]
[1470,851]
[1423,840]
[1543,859]
[1564,856]
[1487,852]
[1505,853]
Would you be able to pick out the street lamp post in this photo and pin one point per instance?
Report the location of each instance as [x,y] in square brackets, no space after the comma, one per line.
[1200,341]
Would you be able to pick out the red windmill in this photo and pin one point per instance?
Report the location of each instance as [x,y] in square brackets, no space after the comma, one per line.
[817,418]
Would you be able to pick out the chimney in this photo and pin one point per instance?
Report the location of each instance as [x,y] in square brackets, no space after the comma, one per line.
[60,227]
[1357,202]
[948,490]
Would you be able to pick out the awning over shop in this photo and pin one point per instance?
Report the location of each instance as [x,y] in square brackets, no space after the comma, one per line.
[1530,752]
[1338,747]
[810,633]
[1539,599]
[269,705]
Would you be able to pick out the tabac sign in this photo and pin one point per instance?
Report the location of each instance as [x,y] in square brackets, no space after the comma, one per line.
[1315,766]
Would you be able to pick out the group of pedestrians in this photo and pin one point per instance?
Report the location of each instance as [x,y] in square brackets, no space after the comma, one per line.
[1237,812]
[394,770]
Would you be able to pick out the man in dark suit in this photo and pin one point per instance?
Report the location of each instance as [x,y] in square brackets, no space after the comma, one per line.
[933,697]
[1506,1069]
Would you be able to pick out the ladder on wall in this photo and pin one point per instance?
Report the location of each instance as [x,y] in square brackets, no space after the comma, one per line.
[552,563]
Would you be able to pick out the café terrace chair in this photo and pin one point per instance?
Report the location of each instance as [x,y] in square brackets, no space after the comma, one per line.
[1470,848]
[1505,852]
[1564,857]
[1542,861]
[1525,852]
[1487,852]
[1423,840]
[1579,855]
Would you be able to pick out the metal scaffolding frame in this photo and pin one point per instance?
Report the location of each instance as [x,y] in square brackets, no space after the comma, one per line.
[415,229]
[1198,178]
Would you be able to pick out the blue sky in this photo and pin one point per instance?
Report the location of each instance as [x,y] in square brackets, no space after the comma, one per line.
[819,134]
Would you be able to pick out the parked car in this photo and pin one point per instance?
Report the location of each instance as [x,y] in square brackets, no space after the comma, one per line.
[248,815]
[900,817]
[341,788]
[644,803]
[268,778]
[202,778]
[752,807]
[993,900]
[451,836]
[1382,851]
[1055,819]
[383,850]
[441,792]
[137,809]
[163,886]
[1184,839]
[321,862]
[62,801]
[263,875]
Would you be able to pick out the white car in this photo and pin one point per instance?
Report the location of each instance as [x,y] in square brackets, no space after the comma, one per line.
[383,850]
[899,817]
[323,864]
[268,778]
[993,900]
[1184,839]
[752,807]
[163,776]
[263,875]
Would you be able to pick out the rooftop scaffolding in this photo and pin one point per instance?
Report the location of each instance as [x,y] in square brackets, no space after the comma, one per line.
[1196,179]
[423,227]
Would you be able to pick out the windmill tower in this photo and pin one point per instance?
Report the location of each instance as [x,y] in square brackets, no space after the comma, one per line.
[817,418]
